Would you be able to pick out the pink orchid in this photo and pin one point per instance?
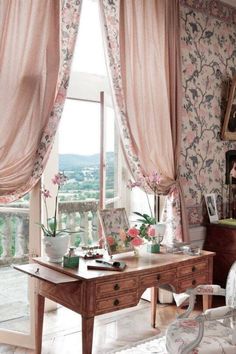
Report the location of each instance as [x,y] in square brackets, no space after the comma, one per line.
[133,232]
[46,193]
[59,179]
[51,228]
[137,241]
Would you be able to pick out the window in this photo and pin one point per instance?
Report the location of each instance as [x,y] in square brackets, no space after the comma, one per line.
[88,146]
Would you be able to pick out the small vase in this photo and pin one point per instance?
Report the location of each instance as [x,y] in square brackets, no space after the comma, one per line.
[153,246]
[136,252]
[56,247]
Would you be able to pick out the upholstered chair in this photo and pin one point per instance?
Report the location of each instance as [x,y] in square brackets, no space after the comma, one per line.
[212,332]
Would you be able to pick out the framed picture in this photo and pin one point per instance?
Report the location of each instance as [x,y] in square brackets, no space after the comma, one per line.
[210,200]
[113,221]
[228,131]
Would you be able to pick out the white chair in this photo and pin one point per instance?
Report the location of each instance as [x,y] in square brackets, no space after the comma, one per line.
[212,332]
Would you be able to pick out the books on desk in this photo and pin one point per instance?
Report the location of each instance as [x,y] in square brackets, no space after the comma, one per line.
[110,266]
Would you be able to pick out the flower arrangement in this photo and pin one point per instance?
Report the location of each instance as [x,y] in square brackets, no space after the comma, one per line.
[149,182]
[51,228]
[131,236]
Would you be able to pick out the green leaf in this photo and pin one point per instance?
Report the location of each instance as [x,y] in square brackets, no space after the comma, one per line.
[139,214]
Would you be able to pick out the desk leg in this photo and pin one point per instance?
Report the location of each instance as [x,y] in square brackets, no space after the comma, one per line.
[39,306]
[206,302]
[87,334]
[154,296]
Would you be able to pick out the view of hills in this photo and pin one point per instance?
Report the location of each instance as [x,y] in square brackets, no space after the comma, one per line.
[83,176]
[68,162]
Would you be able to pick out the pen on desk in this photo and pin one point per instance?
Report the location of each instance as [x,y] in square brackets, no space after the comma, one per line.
[113,264]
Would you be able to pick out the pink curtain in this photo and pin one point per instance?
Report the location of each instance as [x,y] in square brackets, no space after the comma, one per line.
[37,39]
[143,56]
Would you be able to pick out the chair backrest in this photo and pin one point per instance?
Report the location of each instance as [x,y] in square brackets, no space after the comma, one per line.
[230,297]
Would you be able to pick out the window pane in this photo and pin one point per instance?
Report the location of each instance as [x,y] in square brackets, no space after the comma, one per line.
[89,56]
[111,155]
[79,156]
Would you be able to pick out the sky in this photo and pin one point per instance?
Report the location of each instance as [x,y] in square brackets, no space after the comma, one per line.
[79,130]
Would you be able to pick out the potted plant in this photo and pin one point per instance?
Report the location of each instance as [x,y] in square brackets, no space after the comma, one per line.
[55,240]
[150,229]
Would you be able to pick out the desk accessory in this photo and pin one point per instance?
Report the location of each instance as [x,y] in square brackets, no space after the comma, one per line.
[71,260]
[91,252]
[105,265]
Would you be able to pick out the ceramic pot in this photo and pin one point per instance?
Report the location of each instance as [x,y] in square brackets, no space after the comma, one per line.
[56,247]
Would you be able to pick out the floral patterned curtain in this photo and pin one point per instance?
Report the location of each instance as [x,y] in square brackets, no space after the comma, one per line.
[43,49]
[141,39]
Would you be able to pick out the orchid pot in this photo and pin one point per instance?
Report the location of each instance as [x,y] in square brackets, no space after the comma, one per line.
[56,247]
[55,240]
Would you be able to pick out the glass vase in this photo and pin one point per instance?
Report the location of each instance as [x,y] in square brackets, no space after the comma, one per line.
[153,246]
[136,251]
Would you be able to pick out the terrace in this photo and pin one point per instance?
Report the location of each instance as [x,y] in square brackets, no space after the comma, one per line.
[80,217]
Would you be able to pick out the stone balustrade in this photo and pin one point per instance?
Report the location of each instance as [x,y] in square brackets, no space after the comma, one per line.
[14,234]
[80,217]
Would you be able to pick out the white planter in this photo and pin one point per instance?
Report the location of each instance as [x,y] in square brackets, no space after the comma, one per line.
[56,247]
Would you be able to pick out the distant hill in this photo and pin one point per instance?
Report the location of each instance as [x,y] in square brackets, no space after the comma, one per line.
[69,162]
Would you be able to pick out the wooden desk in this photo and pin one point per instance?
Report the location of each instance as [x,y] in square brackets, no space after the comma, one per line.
[92,293]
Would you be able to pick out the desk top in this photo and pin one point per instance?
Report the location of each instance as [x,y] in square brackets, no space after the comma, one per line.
[146,261]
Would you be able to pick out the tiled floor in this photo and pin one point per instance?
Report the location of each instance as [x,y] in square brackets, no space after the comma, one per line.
[62,330]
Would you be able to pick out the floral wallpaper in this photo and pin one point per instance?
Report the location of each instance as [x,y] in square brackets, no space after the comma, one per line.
[208,47]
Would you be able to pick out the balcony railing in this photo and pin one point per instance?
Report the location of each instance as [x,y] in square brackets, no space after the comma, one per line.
[79,216]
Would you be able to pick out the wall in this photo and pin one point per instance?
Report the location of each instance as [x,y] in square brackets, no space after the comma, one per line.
[208,47]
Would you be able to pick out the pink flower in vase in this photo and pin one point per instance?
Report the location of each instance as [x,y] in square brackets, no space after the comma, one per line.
[151,232]
[137,241]
[133,232]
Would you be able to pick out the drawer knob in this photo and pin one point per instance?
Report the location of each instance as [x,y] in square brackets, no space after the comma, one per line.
[158,276]
[116,302]
[194,282]
[194,269]
[116,287]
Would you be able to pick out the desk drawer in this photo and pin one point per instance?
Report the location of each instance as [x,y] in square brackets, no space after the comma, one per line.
[158,278]
[115,287]
[116,302]
[193,268]
[192,282]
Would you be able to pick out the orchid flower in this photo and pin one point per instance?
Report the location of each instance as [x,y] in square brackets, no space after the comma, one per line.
[51,229]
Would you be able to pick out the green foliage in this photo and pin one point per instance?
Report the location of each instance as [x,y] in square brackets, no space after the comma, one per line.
[146,219]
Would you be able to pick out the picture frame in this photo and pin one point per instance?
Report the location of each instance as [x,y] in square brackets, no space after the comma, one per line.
[228,131]
[112,222]
[210,200]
